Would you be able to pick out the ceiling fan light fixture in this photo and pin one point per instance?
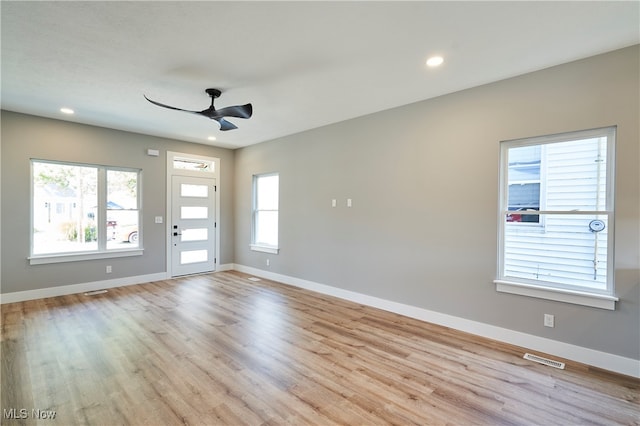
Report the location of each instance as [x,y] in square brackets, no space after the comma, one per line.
[68,111]
[435,61]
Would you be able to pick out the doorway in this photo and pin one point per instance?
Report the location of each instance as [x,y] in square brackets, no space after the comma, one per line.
[192,186]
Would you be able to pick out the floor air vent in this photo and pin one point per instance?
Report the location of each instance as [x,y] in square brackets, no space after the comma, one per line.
[545,361]
[95,292]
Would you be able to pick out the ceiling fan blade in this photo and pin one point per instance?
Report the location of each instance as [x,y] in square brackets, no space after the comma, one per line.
[225,125]
[239,111]
[168,106]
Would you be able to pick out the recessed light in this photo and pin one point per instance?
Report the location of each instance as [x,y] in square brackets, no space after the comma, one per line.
[435,61]
[211,138]
[66,110]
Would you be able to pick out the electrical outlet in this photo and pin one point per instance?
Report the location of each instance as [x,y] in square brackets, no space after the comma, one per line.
[549,320]
[109,270]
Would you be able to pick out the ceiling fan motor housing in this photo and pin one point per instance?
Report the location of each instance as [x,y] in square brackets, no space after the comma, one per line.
[214,93]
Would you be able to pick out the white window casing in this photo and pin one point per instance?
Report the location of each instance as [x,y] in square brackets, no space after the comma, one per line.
[99,217]
[567,255]
[265,213]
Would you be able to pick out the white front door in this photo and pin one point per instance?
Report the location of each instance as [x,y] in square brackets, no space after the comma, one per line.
[193,227]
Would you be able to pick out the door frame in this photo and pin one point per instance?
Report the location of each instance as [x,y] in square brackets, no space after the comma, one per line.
[171,172]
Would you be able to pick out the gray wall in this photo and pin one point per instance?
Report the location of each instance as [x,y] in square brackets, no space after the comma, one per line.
[424,183]
[25,137]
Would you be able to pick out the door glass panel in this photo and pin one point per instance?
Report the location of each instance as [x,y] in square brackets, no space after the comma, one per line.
[193,212]
[188,190]
[193,256]
[196,234]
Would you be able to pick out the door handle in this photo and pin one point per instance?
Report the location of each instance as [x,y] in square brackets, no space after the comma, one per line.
[175,234]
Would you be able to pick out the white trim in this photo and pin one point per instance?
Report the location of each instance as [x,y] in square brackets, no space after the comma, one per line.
[550,290]
[21,296]
[604,360]
[559,212]
[602,301]
[101,216]
[255,245]
[68,257]
[225,267]
[264,249]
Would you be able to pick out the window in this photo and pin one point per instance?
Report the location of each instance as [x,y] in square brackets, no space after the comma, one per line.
[556,217]
[524,183]
[265,213]
[82,211]
[193,165]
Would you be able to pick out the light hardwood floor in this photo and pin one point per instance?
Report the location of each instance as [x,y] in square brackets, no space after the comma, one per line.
[220,349]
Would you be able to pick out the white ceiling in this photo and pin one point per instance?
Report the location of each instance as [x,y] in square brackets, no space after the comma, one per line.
[301,64]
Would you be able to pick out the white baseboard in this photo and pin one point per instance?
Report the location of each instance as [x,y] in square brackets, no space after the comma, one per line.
[225,267]
[604,360]
[21,296]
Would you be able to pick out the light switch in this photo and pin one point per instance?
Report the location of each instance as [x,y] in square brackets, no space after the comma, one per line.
[334,202]
[348,202]
[158,219]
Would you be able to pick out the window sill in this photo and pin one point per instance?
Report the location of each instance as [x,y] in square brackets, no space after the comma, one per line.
[265,249]
[576,297]
[61,258]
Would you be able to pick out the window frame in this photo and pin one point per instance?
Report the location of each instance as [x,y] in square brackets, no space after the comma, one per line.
[102,252]
[598,298]
[258,246]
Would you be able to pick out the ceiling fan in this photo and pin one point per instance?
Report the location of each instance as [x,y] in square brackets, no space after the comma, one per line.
[238,111]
